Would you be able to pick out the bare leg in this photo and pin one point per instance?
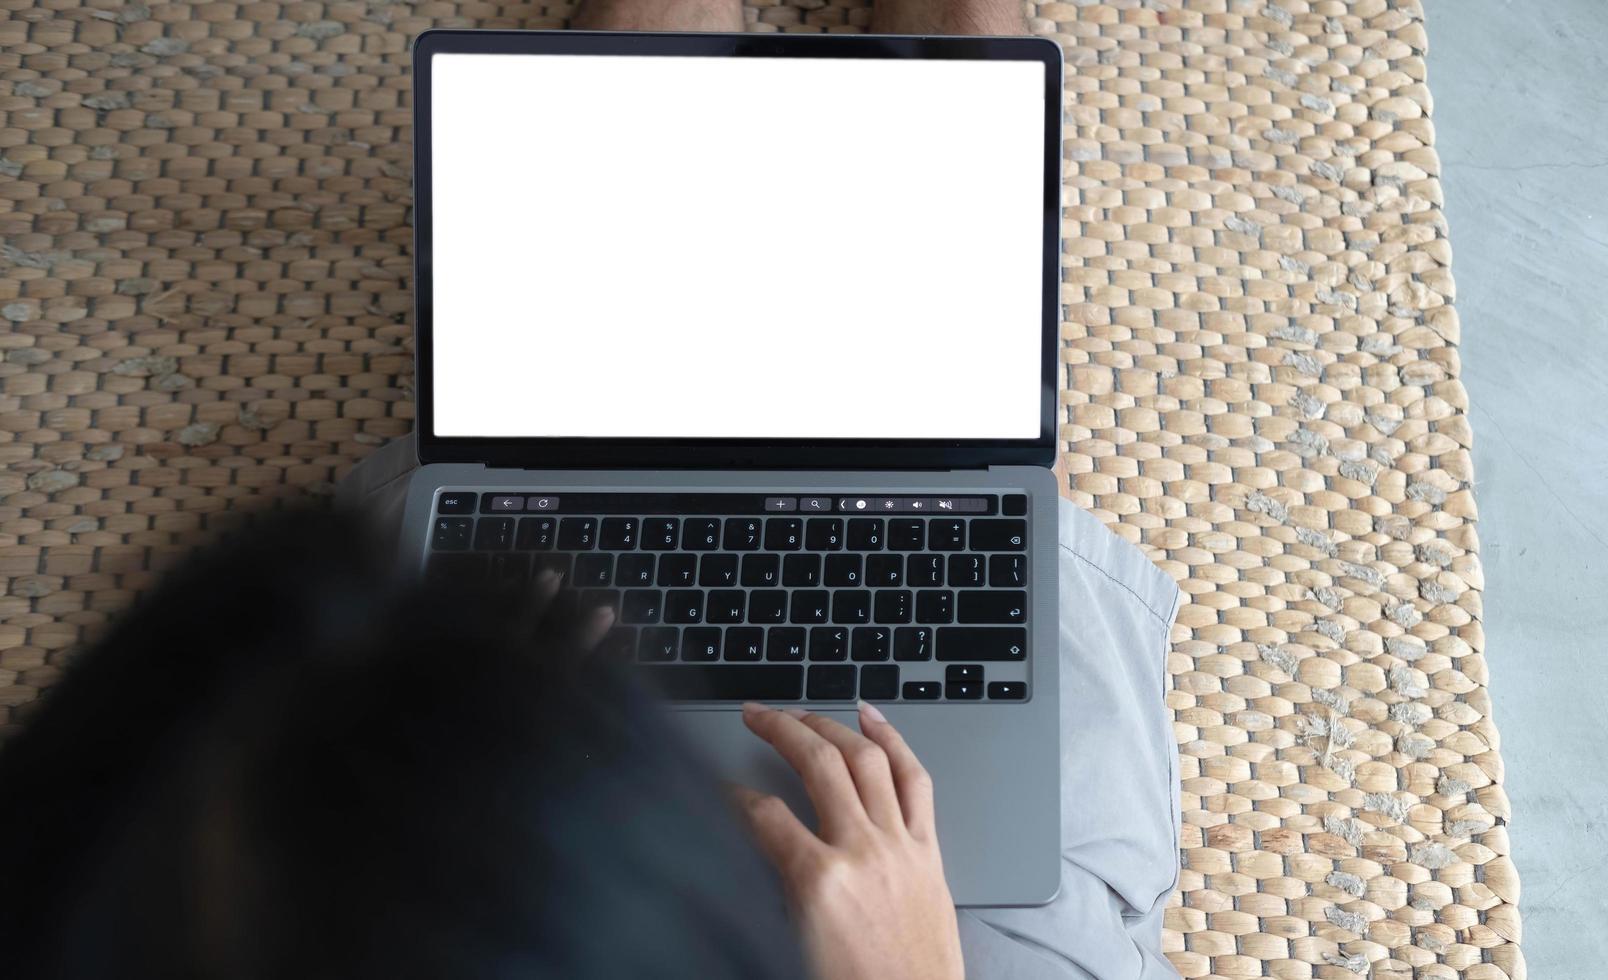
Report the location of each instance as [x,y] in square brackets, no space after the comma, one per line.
[993,17]
[658,15]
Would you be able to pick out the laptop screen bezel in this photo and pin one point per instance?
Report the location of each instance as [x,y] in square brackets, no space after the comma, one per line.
[550,452]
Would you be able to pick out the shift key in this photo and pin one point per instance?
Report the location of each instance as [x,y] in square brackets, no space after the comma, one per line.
[980,644]
[977,606]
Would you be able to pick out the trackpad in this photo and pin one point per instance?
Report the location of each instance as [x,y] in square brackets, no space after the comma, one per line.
[738,755]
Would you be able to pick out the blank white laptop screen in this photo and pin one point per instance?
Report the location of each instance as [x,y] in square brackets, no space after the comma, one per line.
[755,248]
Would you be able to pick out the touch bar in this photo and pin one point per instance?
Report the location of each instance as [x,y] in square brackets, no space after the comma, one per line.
[678,504]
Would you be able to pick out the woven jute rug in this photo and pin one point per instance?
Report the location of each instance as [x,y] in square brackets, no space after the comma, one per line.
[204,299]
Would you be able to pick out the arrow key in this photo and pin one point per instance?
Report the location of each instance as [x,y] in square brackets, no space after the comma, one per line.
[963,691]
[1007,691]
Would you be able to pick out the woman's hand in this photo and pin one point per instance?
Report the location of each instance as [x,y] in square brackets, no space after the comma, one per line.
[562,627]
[868,892]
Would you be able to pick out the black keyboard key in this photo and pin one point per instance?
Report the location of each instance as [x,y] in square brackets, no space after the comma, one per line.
[683,606]
[830,684]
[678,570]
[824,534]
[1007,691]
[992,607]
[494,534]
[549,562]
[935,606]
[566,606]
[811,606]
[717,571]
[455,502]
[879,682]
[921,691]
[843,571]
[946,535]
[967,571]
[642,606]
[699,643]
[700,534]
[963,674]
[884,571]
[619,644]
[982,643]
[1008,571]
[924,570]
[912,643]
[865,534]
[767,606]
[456,570]
[893,606]
[907,535]
[870,643]
[577,534]
[661,533]
[745,643]
[829,643]
[536,533]
[592,570]
[801,571]
[725,606]
[743,534]
[785,643]
[601,599]
[963,692]
[633,570]
[783,534]
[999,535]
[619,534]
[851,606]
[659,643]
[761,571]
[1014,505]
[742,682]
[451,533]
[510,568]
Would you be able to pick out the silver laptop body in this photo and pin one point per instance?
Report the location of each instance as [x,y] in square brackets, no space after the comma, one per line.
[772,407]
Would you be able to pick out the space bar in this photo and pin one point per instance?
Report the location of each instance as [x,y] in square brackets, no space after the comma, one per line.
[728,683]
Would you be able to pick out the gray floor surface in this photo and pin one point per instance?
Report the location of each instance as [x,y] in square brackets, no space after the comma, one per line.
[1521,113]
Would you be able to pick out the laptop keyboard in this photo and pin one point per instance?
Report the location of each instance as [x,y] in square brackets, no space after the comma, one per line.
[735,597]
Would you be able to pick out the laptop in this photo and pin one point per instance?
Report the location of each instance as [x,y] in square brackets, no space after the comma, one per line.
[753,337]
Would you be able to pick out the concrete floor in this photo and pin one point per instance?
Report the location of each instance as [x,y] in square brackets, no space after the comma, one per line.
[1521,111]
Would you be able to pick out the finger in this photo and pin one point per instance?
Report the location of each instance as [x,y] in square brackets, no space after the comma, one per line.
[868,766]
[594,627]
[817,761]
[547,585]
[781,836]
[574,626]
[910,777]
[539,599]
[562,622]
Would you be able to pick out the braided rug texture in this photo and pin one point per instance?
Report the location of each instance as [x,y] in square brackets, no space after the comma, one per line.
[204,307]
